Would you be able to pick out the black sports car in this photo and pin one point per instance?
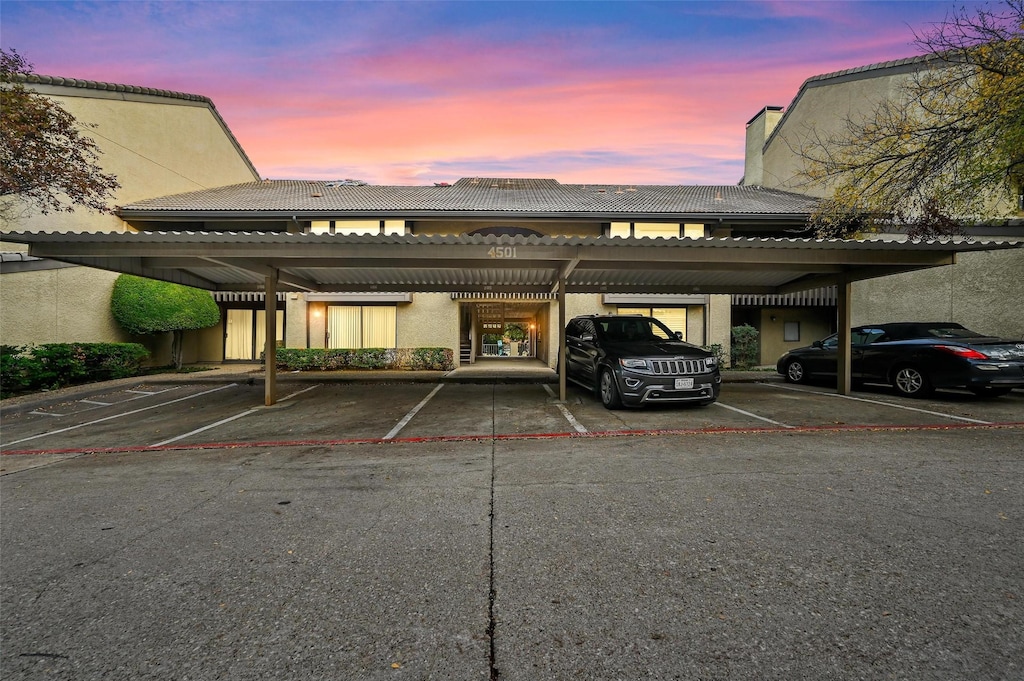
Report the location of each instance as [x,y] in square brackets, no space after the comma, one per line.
[916,358]
[635,360]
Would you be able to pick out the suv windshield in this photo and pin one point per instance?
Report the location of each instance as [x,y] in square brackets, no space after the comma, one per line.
[625,329]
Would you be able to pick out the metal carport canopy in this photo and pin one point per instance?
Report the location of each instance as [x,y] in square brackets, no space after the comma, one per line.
[288,261]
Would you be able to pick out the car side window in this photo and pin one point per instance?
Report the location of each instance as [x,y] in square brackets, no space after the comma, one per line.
[867,336]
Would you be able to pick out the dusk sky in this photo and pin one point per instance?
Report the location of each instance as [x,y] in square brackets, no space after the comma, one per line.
[423,92]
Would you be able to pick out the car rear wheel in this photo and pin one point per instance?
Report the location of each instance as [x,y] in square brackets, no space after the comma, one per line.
[609,392]
[795,372]
[912,382]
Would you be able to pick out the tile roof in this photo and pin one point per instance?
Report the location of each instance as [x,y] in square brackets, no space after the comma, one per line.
[479,195]
[35,78]
[870,70]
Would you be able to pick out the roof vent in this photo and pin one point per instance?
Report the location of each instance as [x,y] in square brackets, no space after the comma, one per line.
[345,183]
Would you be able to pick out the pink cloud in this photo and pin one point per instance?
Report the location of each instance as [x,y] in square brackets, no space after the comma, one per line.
[667,109]
[370,94]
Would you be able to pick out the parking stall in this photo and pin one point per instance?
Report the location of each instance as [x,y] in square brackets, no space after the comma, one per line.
[129,416]
[188,415]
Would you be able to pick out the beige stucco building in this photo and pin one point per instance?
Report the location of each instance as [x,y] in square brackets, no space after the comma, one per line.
[156,142]
[166,144]
[182,171]
[980,291]
[470,319]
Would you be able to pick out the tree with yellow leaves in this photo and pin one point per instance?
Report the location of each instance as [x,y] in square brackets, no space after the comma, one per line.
[946,151]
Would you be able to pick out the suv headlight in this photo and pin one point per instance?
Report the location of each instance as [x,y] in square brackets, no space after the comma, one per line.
[633,363]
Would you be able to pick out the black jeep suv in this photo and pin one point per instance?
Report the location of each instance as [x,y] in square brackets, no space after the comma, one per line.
[634,360]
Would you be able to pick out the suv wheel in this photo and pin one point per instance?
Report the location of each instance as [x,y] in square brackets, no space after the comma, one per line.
[608,390]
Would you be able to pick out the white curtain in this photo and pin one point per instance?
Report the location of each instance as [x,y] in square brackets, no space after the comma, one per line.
[261,329]
[238,344]
[672,317]
[355,326]
[379,327]
[343,326]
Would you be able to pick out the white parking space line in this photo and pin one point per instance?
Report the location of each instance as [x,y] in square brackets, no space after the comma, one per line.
[408,417]
[230,418]
[880,402]
[565,412]
[139,395]
[117,416]
[298,392]
[149,392]
[753,416]
[200,430]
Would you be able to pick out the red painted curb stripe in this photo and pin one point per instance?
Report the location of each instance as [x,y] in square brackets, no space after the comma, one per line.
[512,436]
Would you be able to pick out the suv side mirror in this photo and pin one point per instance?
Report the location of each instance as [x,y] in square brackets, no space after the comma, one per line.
[817,344]
[679,335]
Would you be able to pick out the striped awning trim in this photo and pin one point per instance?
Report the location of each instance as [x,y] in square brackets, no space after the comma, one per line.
[243,297]
[464,295]
[819,297]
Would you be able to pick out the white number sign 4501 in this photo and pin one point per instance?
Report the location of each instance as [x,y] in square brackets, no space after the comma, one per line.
[502,252]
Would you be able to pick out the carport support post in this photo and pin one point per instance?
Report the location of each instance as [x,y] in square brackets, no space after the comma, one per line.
[270,352]
[844,317]
[561,339]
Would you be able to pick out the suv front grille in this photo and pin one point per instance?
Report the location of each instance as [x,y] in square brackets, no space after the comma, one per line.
[678,366]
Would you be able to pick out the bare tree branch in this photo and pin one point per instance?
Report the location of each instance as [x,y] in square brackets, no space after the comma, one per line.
[947,148]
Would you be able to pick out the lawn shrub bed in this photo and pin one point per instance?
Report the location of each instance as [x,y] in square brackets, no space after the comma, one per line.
[334,359]
[25,368]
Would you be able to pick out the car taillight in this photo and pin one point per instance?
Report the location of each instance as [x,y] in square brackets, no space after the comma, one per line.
[960,351]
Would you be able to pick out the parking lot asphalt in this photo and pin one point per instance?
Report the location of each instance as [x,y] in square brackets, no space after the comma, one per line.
[378,530]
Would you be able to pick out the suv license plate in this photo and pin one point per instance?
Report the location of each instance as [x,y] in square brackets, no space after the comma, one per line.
[684,384]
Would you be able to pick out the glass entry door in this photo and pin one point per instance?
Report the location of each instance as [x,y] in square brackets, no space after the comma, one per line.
[246,334]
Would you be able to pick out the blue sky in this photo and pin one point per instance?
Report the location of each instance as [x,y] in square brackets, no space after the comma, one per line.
[421,92]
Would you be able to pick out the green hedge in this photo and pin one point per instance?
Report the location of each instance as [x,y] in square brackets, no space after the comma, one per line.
[319,359]
[54,365]
[745,348]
